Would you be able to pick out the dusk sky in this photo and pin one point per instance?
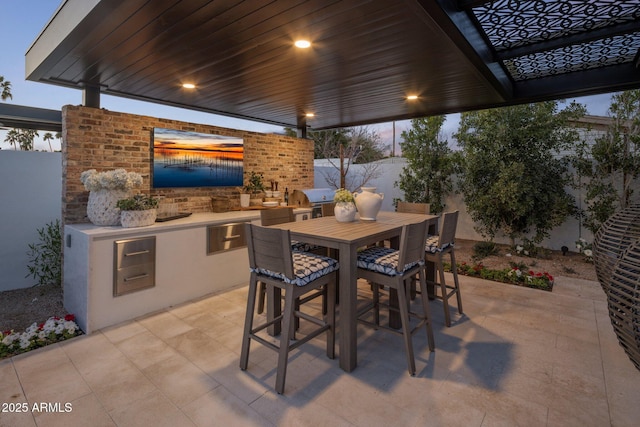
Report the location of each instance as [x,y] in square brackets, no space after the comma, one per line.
[22,21]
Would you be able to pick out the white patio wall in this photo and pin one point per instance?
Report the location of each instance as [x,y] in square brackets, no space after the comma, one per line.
[31,192]
[565,235]
[30,195]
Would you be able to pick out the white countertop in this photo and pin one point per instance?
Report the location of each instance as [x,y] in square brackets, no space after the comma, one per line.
[192,221]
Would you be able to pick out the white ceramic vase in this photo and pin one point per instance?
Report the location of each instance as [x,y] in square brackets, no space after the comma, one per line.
[101,207]
[368,203]
[131,219]
[344,211]
[244,200]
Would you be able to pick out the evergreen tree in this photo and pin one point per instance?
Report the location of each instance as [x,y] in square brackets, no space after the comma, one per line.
[430,163]
[513,178]
[611,166]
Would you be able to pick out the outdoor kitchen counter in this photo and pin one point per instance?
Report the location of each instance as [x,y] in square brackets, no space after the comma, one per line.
[176,264]
[194,220]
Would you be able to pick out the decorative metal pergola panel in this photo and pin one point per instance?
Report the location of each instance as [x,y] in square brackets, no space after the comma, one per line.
[540,38]
[583,56]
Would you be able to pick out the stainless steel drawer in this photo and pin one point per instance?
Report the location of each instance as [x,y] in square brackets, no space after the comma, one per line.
[225,237]
[134,265]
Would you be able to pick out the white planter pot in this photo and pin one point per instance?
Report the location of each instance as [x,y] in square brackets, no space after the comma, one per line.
[244,200]
[102,209]
[368,203]
[131,219]
[344,211]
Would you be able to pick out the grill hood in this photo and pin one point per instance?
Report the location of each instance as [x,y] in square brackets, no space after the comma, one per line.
[312,196]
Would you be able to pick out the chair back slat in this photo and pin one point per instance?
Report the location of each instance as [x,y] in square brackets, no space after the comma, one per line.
[327,209]
[409,207]
[269,249]
[412,241]
[449,225]
[276,216]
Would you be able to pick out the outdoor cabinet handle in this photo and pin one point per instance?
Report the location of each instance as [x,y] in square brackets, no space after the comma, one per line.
[137,253]
[140,276]
[233,236]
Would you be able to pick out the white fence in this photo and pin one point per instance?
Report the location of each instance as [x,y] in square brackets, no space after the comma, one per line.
[31,195]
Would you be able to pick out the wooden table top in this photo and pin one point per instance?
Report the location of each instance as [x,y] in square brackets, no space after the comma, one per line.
[349,232]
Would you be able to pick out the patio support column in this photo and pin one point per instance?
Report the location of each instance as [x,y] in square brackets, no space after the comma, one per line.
[91,96]
[302,127]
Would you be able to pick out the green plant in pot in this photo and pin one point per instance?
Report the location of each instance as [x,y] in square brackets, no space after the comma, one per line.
[345,208]
[139,202]
[254,187]
[138,211]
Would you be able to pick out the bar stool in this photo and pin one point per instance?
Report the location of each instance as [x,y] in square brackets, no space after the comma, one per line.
[272,261]
[410,207]
[395,268]
[435,250]
[419,208]
[280,216]
[327,209]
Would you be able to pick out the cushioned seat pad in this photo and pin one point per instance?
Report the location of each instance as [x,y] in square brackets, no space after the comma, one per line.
[382,260]
[307,268]
[303,246]
[433,245]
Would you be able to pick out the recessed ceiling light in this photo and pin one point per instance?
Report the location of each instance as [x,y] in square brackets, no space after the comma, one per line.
[302,44]
[188,86]
[309,115]
[412,97]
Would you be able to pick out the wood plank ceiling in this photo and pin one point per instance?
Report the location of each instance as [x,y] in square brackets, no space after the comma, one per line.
[366,56]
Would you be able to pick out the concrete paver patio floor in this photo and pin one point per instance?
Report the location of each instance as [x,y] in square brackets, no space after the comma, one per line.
[516,357]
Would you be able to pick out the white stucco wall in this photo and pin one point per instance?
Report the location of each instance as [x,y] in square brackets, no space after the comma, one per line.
[31,192]
[565,235]
[390,172]
[30,197]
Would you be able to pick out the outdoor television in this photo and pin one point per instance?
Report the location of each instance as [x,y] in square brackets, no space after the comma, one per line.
[192,159]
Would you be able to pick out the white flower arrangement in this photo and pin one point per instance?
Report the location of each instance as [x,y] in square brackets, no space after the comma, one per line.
[53,330]
[118,179]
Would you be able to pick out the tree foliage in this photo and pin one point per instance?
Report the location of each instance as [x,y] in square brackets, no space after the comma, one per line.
[345,147]
[22,138]
[5,89]
[358,144]
[513,178]
[611,166]
[427,178]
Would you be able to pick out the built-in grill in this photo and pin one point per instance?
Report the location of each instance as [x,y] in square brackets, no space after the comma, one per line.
[312,198]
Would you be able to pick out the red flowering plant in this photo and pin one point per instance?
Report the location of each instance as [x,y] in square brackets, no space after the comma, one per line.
[55,329]
[517,275]
[531,279]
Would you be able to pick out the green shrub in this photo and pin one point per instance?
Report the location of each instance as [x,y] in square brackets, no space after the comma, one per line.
[484,249]
[45,257]
[528,248]
[518,265]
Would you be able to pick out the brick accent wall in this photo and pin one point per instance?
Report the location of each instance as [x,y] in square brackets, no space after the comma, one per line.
[104,140]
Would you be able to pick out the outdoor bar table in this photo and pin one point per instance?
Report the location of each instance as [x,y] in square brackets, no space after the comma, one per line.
[347,237]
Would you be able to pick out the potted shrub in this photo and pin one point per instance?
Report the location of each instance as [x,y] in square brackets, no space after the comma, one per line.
[105,189]
[254,187]
[138,211]
[345,209]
